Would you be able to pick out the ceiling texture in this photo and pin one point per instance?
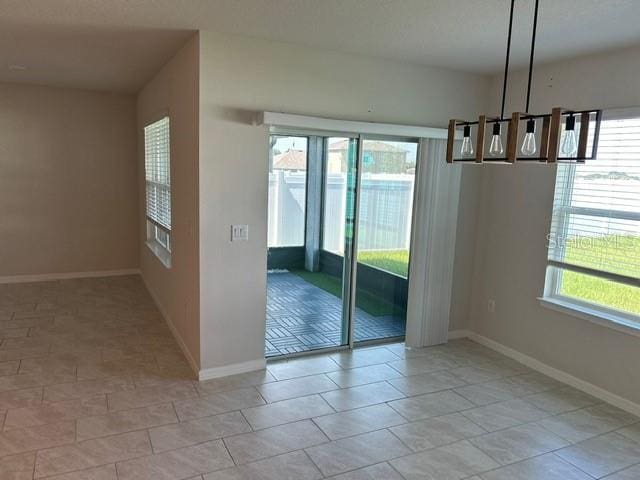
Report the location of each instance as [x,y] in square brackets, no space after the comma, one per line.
[116,45]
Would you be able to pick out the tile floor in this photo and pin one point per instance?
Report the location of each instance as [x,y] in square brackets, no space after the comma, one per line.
[93,387]
[302,317]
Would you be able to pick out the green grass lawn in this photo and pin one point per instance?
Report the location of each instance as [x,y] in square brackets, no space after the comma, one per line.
[574,284]
[577,285]
[598,290]
[394,261]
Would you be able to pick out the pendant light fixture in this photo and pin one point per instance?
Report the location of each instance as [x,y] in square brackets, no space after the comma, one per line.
[467,146]
[552,144]
[496,149]
[569,145]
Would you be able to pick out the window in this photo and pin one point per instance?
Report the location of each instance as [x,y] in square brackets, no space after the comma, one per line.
[158,188]
[594,243]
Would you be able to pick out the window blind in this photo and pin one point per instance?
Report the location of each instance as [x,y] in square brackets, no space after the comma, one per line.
[596,210]
[157,172]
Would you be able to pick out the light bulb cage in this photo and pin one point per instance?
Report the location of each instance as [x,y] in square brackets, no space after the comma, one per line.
[550,136]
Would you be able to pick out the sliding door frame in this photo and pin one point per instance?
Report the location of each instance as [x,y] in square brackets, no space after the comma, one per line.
[350,301]
[354,265]
[350,262]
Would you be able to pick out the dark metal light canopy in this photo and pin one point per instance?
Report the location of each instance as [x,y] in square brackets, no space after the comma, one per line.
[557,141]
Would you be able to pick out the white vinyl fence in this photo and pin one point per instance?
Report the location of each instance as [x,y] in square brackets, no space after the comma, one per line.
[287,203]
[385,210]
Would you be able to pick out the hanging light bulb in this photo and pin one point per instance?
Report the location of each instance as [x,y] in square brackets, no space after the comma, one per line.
[569,145]
[467,147]
[496,149]
[529,142]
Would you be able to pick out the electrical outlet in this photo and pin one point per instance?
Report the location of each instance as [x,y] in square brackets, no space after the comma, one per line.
[491,306]
[239,233]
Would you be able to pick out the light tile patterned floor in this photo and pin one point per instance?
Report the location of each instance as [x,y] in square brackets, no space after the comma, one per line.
[93,387]
[302,317]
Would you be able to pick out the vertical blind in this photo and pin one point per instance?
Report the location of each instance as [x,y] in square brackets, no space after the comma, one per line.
[157,173]
[596,209]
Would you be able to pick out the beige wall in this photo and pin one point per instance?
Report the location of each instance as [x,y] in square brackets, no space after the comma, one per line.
[174,91]
[470,185]
[243,75]
[514,217]
[68,181]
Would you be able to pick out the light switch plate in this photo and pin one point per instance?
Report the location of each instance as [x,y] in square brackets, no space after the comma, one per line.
[239,233]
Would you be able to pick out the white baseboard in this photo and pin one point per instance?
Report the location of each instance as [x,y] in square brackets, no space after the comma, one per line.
[174,331]
[559,375]
[456,334]
[48,277]
[207,373]
[233,369]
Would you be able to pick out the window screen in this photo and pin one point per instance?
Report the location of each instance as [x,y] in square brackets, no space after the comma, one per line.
[157,173]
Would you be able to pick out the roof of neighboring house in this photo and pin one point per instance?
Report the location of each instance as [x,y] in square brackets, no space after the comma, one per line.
[290,160]
[372,145]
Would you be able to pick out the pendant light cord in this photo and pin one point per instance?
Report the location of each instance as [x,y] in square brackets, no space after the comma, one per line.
[506,62]
[533,47]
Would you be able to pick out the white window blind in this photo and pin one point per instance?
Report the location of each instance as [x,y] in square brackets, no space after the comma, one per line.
[595,227]
[157,173]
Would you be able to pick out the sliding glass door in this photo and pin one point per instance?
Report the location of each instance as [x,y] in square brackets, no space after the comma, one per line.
[385,208]
[309,252]
[339,234]
[287,217]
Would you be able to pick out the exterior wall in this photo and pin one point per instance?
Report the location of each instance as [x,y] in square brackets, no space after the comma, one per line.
[174,91]
[68,181]
[514,219]
[240,76]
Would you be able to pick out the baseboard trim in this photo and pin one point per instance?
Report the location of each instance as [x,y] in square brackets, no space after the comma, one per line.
[174,331]
[559,375]
[48,277]
[233,369]
[207,373]
[456,334]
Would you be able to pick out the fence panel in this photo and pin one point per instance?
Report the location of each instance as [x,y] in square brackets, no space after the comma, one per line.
[287,205]
[386,204]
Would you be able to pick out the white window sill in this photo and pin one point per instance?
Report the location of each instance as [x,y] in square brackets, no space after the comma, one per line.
[160,252]
[605,319]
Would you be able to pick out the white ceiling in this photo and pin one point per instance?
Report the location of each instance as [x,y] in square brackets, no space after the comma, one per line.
[118,44]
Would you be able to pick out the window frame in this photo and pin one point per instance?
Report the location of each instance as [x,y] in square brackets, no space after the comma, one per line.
[552,298]
[162,250]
